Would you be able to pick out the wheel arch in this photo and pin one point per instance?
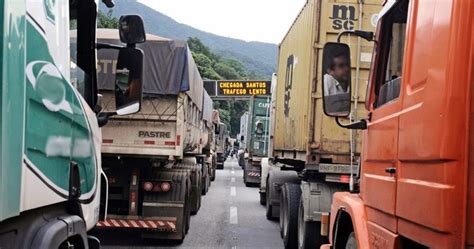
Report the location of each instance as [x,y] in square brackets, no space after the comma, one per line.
[343,227]
[350,216]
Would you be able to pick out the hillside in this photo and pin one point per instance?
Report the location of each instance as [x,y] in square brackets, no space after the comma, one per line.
[256,56]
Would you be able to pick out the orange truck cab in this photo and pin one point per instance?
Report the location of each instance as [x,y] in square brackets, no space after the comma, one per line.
[415,188]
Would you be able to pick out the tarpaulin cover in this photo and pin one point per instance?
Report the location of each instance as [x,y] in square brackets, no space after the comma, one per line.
[169,67]
[207,107]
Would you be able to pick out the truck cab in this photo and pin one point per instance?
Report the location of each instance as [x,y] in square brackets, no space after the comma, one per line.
[414,189]
[51,180]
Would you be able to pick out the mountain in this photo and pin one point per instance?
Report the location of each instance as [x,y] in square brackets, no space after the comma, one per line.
[258,57]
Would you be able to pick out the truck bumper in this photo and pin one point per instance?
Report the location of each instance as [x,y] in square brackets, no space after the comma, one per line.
[158,227]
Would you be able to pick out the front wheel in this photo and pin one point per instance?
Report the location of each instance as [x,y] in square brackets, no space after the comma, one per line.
[351,241]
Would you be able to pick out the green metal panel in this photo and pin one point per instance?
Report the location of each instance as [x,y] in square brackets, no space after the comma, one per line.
[56,129]
[12,44]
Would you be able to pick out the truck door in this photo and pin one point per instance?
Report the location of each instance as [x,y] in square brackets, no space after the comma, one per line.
[380,154]
[432,136]
[49,112]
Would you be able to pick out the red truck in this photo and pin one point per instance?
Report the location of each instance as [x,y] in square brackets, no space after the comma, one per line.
[416,183]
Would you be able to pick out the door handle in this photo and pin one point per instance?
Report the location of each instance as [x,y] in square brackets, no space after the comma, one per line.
[391,170]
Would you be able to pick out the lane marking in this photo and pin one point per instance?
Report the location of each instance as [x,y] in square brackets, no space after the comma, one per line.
[233,219]
[232,179]
[233,191]
[233,172]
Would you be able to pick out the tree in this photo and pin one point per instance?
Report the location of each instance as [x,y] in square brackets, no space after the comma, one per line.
[214,67]
[107,21]
[237,66]
[227,72]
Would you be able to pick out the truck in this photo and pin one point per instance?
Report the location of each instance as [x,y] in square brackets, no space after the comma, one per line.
[311,158]
[414,188]
[51,182]
[242,136]
[256,136]
[154,159]
[208,143]
[221,140]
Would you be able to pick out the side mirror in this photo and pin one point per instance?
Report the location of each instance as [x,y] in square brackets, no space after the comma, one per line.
[128,81]
[336,79]
[132,30]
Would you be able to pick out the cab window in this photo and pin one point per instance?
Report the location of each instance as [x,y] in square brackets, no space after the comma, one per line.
[391,45]
[82,52]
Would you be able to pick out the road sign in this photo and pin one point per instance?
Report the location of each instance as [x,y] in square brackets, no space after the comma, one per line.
[236,88]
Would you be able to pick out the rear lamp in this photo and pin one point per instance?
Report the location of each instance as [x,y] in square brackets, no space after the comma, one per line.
[165,186]
[148,186]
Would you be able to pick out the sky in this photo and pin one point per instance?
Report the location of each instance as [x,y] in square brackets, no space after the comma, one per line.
[249,20]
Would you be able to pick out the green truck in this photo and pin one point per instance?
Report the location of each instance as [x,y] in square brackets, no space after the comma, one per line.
[256,138]
[51,180]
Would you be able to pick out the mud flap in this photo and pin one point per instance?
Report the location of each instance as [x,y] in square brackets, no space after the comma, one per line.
[168,206]
[195,171]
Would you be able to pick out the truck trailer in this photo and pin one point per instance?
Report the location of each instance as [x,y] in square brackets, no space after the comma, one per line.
[51,180]
[221,140]
[415,186]
[208,143]
[154,158]
[243,136]
[256,136]
[311,158]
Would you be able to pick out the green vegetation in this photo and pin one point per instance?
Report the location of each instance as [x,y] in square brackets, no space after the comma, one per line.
[107,21]
[214,67]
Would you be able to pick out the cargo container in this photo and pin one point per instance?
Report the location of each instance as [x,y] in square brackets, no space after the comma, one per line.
[311,157]
[241,155]
[221,140]
[244,119]
[256,146]
[154,158]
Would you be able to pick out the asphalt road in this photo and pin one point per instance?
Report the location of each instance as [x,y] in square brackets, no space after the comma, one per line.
[230,217]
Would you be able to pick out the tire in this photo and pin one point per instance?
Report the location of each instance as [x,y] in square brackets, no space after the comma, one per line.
[277,177]
[263,199]
[283,209]
[188,206]
[244,176]
[351,241]
[220,165]
[213,177]
[291,207]
[268,206]
[213,170]
[309,232]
